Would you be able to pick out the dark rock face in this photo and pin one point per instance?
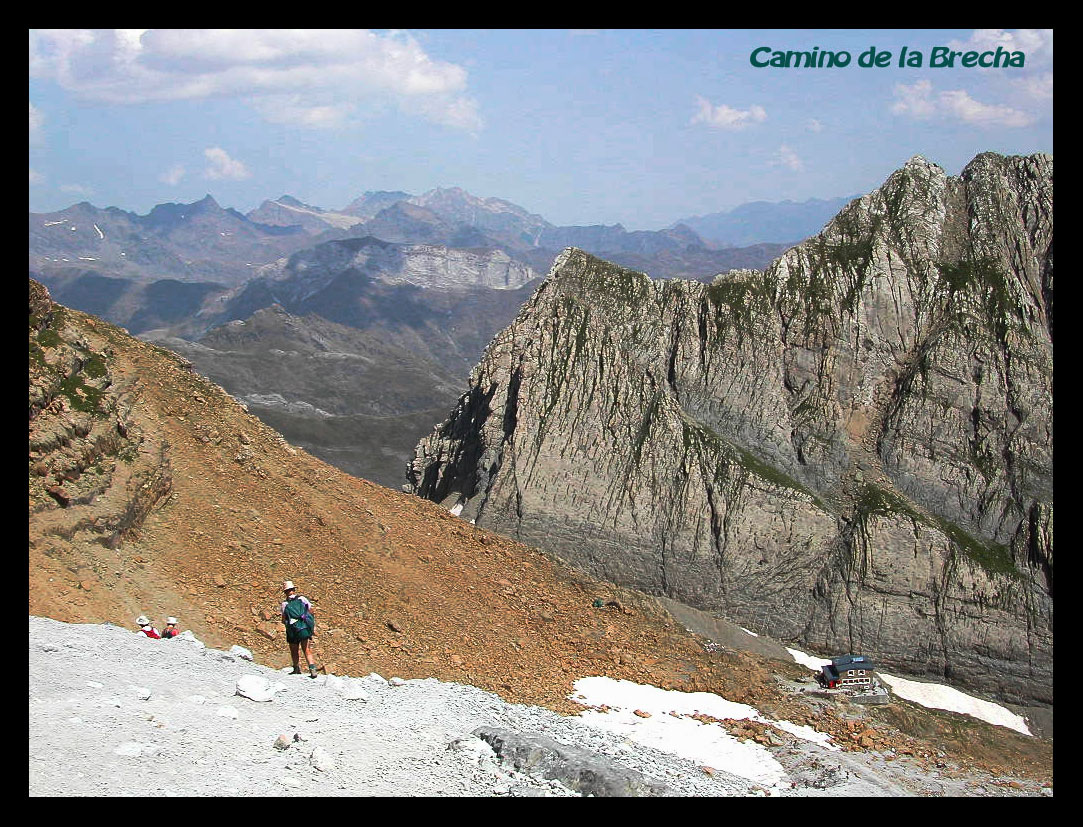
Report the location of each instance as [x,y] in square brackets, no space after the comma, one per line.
[588,773]
[851,450]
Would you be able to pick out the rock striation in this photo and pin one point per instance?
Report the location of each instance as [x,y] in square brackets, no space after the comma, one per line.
[95,473]
[851,450]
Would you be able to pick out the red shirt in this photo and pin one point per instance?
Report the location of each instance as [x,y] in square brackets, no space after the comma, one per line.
[150,631]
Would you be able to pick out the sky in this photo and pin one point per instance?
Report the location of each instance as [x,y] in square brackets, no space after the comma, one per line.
[638,127]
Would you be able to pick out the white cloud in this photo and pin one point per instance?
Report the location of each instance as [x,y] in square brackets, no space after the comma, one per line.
[296,110]
[726,117]
[959,104]
[814,125]
[222,167]
[1030,87]
[919,101]
[915,100]
[786,157]
[36,121]
[36,177]
[331,69]
[1036,44]
[1036,87]
[76,189]
[173,175]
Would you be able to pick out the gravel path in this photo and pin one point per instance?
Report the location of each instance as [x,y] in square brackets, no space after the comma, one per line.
[112,713]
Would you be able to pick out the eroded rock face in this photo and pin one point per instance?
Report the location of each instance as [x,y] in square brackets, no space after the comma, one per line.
[94,473]
[851,450]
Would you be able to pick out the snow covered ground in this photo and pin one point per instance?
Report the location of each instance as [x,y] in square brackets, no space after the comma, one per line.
[937,696]
[667,726]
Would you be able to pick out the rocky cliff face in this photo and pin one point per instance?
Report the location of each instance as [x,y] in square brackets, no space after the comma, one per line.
[420,265]
[851,450]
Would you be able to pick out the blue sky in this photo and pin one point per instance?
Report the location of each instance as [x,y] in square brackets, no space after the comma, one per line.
[641,127]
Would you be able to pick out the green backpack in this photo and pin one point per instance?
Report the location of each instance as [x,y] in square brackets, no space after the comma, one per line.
[299,619]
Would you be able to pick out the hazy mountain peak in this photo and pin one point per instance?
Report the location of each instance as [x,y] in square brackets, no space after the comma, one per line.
[290,201]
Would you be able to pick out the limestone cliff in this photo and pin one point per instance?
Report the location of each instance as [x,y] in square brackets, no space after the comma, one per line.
[851,450]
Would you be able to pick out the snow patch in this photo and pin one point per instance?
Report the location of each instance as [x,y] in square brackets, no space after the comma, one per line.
[670,728]
[938,696]
[811,661]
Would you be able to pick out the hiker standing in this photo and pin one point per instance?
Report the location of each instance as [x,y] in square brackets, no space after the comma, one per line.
[145,628]
[170,630]
[300,624]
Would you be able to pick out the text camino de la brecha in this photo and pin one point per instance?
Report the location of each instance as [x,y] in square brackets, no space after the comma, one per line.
[941,57]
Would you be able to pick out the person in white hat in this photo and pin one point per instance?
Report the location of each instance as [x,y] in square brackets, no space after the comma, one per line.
[143,622]
[300,626]
[170,630]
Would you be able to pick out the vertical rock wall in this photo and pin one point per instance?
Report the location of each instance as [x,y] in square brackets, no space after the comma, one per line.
[851,450]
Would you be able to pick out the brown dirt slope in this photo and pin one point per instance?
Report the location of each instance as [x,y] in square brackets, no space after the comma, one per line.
[151,490]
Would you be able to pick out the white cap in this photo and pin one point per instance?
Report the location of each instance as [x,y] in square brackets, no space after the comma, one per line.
[171,621]
[142,620]
[288,586]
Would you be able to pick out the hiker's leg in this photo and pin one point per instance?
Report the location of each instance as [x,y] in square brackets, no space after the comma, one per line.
[306,648]
[294,657]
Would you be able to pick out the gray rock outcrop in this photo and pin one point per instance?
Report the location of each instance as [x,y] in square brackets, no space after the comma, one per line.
[851,450]
[586,772]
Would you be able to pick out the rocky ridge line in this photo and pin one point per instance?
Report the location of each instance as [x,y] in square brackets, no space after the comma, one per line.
[851,450]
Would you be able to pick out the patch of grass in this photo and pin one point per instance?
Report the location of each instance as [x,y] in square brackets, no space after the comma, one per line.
[94,367]
[695,435]
[875,500]
[48,337]
[986,280]
[993,557]
[82,397]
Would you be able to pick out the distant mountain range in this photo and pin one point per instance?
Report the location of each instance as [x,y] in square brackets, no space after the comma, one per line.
[191,242]
[765,221]
[431,278]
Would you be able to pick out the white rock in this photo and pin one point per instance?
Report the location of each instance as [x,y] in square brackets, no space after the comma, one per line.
[473,749]
[255,687]
[141,692]
[198,700]
[287,781]
[240,652]
[227,712]
[95,685]
[187,636]
[347,689]
[321,759]
[397,682]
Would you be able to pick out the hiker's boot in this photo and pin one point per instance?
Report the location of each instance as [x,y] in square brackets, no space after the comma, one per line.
[296,669]
[312,670]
